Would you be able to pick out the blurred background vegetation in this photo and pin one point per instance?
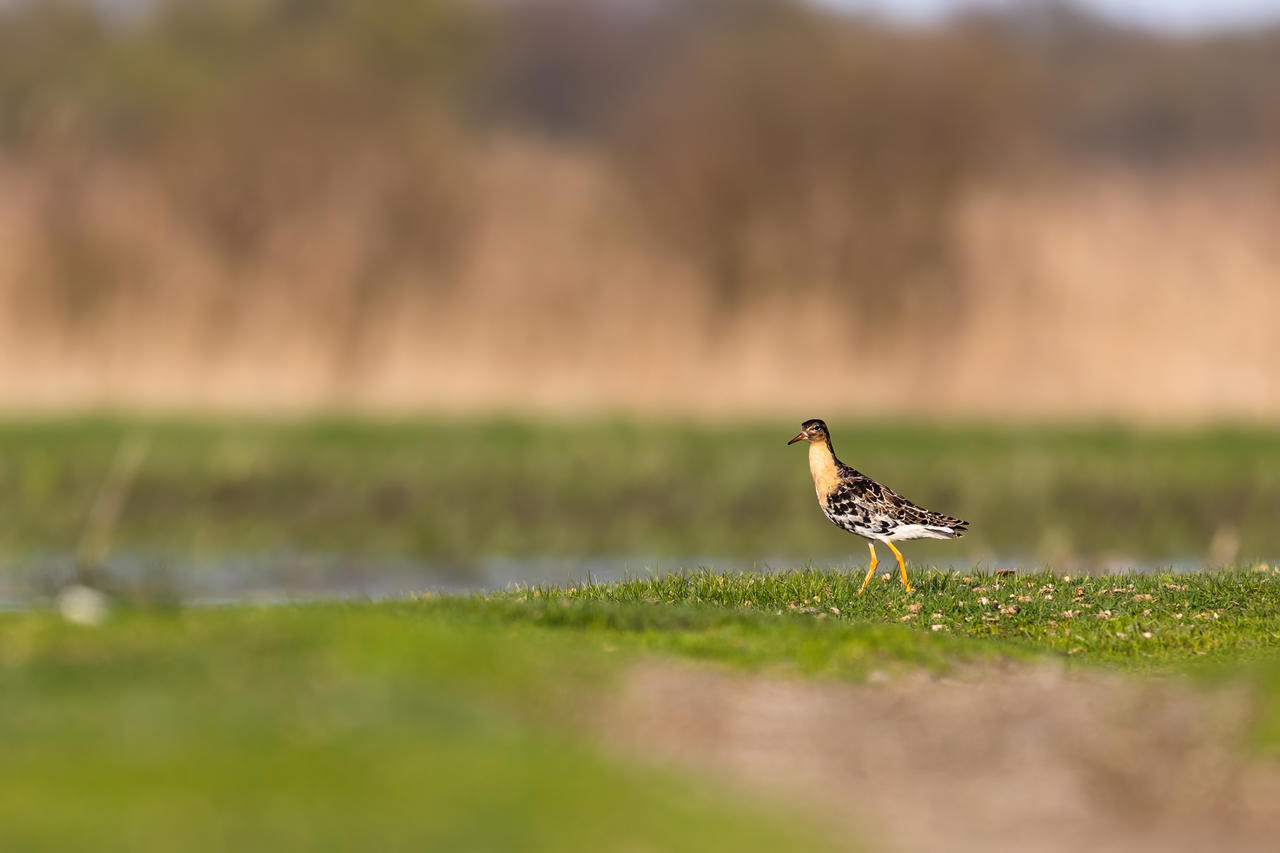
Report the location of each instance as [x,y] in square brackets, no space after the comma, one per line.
[555,233]
[453,495]
[703,205]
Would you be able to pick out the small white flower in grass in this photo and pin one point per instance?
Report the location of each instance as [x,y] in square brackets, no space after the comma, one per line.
[936,627]
[1146,634]
[82,605]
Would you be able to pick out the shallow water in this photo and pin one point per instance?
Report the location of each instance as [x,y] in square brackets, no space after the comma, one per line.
[283,578]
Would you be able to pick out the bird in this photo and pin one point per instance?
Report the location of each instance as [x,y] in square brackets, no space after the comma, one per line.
[856,503]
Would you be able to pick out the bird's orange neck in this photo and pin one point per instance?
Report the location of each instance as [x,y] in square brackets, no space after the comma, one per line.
[822,465]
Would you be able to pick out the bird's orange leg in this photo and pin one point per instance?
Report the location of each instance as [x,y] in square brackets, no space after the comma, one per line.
[902,567]
[871,571]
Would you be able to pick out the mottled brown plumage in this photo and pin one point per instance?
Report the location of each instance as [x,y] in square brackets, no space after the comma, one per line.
[856,503]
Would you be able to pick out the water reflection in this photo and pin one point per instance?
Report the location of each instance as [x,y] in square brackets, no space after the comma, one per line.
[311,577]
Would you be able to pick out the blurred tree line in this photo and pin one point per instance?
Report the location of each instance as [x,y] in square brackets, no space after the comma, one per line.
[773,143]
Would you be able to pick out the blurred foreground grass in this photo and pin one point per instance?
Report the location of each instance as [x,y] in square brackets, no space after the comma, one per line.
[329,728]
[483,487]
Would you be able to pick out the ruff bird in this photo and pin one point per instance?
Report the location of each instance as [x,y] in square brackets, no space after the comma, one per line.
[855,502]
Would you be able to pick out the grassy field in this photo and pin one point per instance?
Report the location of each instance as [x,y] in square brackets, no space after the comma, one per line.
[457,489]
[458,723]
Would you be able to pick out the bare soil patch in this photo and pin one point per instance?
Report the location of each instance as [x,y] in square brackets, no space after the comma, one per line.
[1019,758]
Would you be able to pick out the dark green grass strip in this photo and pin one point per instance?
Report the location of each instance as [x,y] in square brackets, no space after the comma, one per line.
[456,489]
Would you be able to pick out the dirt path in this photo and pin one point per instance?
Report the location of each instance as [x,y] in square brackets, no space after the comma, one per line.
[1024,758]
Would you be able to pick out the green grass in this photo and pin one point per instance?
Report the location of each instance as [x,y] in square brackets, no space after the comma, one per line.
[456,489]
[1136,621]
[331,728]
[741,637]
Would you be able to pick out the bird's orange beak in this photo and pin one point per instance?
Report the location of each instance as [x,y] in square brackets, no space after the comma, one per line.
[800,437]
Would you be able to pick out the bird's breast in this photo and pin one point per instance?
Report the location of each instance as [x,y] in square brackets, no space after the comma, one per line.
[822,465]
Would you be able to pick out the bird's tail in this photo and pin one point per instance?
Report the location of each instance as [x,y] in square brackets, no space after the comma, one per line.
[948,528]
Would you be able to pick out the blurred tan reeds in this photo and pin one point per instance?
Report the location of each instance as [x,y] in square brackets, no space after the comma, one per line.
[713,207]
[1089,295]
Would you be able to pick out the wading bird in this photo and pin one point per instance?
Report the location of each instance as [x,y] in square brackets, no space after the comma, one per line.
[860,505]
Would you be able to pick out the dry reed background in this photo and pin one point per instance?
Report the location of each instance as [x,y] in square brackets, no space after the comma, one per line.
[712,207]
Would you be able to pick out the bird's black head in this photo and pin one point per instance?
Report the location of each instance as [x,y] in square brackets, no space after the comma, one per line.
[811,430]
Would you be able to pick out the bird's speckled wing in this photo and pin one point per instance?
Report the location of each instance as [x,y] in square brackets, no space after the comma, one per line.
[861,505]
